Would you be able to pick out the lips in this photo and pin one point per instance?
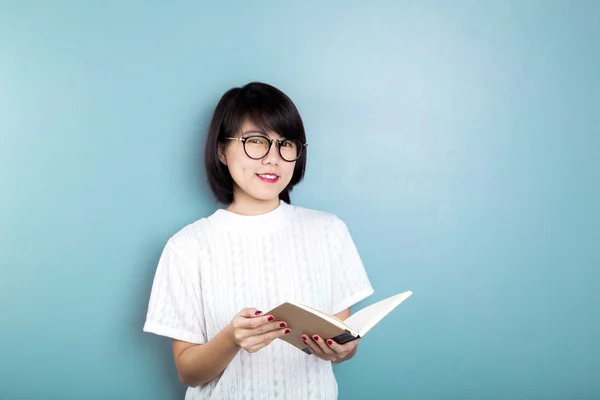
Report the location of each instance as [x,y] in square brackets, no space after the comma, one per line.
[269,178]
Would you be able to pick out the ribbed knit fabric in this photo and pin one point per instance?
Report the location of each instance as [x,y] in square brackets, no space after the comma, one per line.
[213,268]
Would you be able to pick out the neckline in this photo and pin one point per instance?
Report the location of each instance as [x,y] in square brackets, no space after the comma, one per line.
[252,223]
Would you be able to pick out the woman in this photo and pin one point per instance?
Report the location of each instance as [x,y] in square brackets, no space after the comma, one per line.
[217,275]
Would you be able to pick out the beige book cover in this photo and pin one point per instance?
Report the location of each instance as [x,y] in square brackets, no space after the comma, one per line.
[303,319]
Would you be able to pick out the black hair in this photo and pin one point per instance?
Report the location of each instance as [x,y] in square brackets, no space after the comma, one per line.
[270,110]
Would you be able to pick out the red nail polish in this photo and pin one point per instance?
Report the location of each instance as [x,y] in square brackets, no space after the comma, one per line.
[316,337]
[282,325]
[258,313]
[304,338]
[271,318]
[287,331]
[329,342]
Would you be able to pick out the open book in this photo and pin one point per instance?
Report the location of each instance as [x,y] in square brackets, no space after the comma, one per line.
[303,319]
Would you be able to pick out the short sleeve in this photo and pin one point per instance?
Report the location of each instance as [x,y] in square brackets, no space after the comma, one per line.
[350,281]
[175,307]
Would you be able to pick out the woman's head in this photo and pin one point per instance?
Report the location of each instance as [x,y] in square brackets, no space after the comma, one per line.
[256,145]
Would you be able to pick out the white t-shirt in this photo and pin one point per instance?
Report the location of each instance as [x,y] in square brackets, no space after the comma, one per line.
[213,268]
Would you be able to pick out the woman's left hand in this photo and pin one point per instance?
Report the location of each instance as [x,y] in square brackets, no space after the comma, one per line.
[329,350]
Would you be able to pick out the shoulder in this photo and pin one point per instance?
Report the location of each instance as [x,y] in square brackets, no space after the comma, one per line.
[188,241]
[326,226]
[318,218]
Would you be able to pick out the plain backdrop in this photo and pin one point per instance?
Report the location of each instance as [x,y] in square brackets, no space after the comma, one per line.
[459,141]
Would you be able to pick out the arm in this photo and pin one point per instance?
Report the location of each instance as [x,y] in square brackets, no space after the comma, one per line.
[198,364]
[343,315]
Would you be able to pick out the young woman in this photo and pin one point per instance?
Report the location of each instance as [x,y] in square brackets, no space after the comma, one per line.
[217,275]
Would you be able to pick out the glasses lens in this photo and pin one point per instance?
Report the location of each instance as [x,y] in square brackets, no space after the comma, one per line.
[256,146]
[290,149]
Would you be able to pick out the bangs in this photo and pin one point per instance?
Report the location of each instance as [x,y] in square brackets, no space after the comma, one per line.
[267,108]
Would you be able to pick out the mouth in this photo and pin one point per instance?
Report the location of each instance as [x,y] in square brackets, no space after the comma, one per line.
[269,178]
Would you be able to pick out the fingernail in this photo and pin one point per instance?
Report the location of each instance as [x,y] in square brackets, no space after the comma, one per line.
[271,318]
[316,337]
[304,337]
[282,325]
[287,331]
[329,342]
[258,313]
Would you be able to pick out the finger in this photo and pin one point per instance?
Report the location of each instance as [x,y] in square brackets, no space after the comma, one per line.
[314,348]
[256,347]
[268,327]
[250,312]
[263,324]
[341,348]
[323,345]
[257,342]
[255,322]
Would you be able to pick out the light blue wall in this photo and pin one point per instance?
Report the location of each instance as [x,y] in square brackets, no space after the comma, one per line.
[459,142]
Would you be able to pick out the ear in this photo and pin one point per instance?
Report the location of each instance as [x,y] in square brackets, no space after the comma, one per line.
[221,152]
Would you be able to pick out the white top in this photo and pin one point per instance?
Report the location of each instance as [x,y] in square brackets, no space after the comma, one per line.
[213,268]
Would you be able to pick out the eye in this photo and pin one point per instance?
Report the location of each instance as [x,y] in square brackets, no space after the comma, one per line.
[256,140]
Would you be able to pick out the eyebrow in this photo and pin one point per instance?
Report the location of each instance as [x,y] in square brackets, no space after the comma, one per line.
[251,131]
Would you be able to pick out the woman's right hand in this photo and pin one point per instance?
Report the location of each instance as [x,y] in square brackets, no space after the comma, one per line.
[252,331]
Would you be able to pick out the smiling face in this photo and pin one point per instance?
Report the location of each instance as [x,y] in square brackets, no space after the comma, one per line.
[256,177]
[259,180]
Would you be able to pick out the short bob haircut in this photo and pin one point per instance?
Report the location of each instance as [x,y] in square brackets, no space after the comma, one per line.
[270,110]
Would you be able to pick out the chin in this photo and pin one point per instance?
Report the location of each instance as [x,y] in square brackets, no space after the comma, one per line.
[266,196]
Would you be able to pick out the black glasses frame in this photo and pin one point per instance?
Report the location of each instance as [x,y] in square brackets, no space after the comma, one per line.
[278,141]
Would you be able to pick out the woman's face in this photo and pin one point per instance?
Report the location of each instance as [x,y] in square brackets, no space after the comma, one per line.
[262,179]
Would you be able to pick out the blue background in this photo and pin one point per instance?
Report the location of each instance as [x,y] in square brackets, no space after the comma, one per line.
[458,140]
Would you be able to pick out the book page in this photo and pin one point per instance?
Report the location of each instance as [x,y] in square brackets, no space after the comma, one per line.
[331,318]
[362,321]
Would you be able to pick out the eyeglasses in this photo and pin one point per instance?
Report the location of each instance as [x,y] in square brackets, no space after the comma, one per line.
[258,146]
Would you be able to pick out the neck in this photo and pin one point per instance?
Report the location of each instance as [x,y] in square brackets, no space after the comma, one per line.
[245,205]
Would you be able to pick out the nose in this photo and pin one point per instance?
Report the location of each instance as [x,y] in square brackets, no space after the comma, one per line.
[272,156]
